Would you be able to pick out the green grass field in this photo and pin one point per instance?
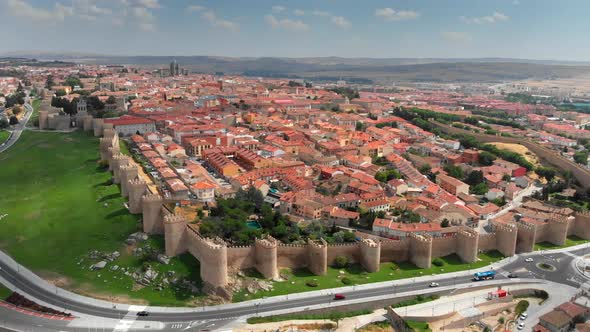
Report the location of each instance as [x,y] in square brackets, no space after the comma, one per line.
[418,326]
[4,292]
[36,103]
[297,279]
[60,205]
[4,136]
[569,242]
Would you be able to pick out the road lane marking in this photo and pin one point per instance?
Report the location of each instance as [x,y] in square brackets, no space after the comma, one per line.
[127,321]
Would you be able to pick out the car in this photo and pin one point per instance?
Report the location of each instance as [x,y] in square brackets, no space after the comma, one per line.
[433,284]
[512,275]
[339,296]
[523,316]
[520,326]
[528,260]
[143,314]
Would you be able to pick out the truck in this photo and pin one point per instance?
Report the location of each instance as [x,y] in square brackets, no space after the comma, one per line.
[478,276]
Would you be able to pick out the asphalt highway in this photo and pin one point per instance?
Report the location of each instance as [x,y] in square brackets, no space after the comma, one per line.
[195,319]
[18,129]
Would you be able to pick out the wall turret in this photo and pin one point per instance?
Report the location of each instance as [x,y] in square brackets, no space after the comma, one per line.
[152,214]
[126,173]
[97,126]
[370,254]
[137,188]
[317,257]
[506,235]
[175,228]
[467,244]
[266,257]
[421,250]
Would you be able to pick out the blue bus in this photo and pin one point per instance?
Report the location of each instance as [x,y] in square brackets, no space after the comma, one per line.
[484,275]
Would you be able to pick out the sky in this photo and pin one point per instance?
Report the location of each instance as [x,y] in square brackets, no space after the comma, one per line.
[526,29]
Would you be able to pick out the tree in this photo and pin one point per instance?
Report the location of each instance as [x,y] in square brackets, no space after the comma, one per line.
[111,100]
[445,223]
[340,262]
[3,123]
[425,169]
[474,178]
[479,189]
[360,126]
[581,157]
[486,159]
[454,171]
[506,177]
[13,120]
[546,172]
[49,83]
[73,81]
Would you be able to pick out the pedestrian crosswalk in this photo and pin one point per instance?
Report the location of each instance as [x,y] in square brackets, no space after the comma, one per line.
[127,321]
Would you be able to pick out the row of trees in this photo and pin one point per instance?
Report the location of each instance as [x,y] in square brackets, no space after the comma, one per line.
[229,218]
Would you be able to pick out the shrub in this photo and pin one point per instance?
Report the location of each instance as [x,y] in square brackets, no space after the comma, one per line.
[312,283]
[346,281]
[438,262]
[340,262]
[521,307]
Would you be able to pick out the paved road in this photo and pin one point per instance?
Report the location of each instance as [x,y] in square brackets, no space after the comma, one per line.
[18,129]
[216,316]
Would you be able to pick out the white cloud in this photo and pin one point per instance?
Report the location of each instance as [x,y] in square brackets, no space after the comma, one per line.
[217,22]
[298,12]
[456,36]
[321,13]
[286,23]
[152,4]
[278,9]
[22,8]
[195,8]
[340,22]
[142,14]
[494,18]
[390,14]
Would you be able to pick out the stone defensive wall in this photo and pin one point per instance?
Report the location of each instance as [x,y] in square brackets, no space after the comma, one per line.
[268,255]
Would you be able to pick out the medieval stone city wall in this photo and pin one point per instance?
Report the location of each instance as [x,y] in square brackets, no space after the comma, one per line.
[395,251]
[268,255]
[580,226]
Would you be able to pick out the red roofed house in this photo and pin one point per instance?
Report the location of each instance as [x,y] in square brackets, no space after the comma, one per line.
[204,190]
[128,125]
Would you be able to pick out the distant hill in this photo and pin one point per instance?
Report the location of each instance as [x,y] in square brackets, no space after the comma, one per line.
[360,70]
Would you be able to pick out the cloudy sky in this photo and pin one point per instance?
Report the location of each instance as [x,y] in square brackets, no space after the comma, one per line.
[533,29]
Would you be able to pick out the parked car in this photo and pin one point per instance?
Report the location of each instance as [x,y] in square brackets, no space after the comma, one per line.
[512,275]
[523,316]
[520,326]
[143,314]
[339,297]
[528,260]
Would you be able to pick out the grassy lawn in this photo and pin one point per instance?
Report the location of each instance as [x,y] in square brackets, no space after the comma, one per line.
[36,103]
[124,147]
[60,205]
[569,242]
[4,292]
[297,279]
[418,326]
[4,136]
